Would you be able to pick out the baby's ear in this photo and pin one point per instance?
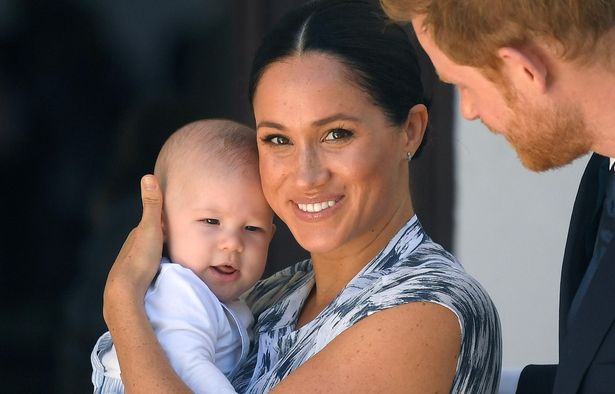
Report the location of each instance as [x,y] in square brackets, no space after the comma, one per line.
[165,251]
[163,220]
[273,229]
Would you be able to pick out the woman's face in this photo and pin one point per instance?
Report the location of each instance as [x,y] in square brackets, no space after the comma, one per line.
[332,166]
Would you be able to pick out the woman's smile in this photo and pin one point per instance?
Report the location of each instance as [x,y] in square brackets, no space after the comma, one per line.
[316,207]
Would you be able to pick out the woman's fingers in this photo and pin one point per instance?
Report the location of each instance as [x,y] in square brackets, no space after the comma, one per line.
[138,260]
[149,241]
[143,248]
[151,197]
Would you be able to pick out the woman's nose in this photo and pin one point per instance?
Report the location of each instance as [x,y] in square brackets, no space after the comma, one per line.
[311,170]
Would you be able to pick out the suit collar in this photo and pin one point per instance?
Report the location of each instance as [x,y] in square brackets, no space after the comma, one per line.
[579,343]
[594,318]
[581,234]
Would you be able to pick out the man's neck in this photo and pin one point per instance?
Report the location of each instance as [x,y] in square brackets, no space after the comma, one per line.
[591,87]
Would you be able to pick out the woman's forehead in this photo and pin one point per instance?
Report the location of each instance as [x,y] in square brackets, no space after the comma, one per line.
[306,67]
[305,81]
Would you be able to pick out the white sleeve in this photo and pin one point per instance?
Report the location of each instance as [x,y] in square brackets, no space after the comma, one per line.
[186,318]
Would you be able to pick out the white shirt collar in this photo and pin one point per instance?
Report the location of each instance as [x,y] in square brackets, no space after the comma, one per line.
[611,162]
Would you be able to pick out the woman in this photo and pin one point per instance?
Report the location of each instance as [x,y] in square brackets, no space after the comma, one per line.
[379,307]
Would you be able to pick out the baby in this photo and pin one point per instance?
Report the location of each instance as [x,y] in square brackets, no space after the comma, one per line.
[217,227]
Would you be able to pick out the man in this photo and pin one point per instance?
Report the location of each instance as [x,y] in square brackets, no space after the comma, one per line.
[542,74]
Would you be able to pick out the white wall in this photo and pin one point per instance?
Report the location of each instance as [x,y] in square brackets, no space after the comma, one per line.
[510,232]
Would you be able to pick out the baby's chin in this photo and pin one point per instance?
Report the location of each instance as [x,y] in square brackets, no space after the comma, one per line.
[228,296]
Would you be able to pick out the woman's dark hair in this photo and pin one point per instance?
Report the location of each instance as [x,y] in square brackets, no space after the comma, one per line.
[357,32]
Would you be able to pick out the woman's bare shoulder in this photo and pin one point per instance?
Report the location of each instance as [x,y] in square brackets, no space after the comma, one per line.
[411,348]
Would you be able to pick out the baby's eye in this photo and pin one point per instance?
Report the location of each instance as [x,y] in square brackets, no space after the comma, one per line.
[276,140]
[211,221]
[338,134]
[252,228]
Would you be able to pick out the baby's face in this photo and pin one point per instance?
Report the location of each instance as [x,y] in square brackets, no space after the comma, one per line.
[219,226]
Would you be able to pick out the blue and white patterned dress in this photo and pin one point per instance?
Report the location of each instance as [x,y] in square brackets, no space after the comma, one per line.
[411,268]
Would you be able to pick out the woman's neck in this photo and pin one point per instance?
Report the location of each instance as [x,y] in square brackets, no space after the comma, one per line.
[334,270]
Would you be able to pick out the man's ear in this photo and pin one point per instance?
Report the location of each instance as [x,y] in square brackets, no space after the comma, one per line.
[414,129]
[525,68]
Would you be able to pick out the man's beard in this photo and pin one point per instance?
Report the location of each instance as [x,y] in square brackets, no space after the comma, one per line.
[546,138]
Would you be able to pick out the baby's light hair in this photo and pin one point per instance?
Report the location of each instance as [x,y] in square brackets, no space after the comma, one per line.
[217,143]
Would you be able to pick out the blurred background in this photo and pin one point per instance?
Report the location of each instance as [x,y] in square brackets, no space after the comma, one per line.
[90,89]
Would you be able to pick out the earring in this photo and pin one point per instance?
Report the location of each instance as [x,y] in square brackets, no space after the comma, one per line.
[408,156]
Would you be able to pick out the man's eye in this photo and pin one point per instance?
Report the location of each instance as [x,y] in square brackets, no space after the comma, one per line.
[211,221]
[252,228]
[338,134]
[276,140]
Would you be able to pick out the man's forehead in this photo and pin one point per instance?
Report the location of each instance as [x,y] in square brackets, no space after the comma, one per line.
[438,58]
[442,77]
[422,33]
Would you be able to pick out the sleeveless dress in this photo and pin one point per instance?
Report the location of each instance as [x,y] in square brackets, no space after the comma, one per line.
[411,268]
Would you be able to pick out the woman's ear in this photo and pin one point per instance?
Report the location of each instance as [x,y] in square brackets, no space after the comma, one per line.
[414,129]
[525,68]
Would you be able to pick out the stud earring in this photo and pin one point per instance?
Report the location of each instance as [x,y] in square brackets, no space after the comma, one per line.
[408,156]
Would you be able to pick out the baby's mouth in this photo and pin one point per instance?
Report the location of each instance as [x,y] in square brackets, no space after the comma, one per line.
[225,269]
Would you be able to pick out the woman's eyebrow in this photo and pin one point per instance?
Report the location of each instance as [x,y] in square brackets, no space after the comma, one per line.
[273,125]
[316,123]
[333,118]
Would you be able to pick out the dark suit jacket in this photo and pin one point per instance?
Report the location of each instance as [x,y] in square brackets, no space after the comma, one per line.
[587,343]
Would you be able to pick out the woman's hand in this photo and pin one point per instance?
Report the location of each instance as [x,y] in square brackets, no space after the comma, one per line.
[145,368]
[139,258]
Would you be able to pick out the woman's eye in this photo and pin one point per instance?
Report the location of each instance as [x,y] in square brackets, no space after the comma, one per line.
[338,134]
[211,221]
[277,140]
[252,228]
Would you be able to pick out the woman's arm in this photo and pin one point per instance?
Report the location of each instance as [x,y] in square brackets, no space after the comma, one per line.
[412,348]
[145,368]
